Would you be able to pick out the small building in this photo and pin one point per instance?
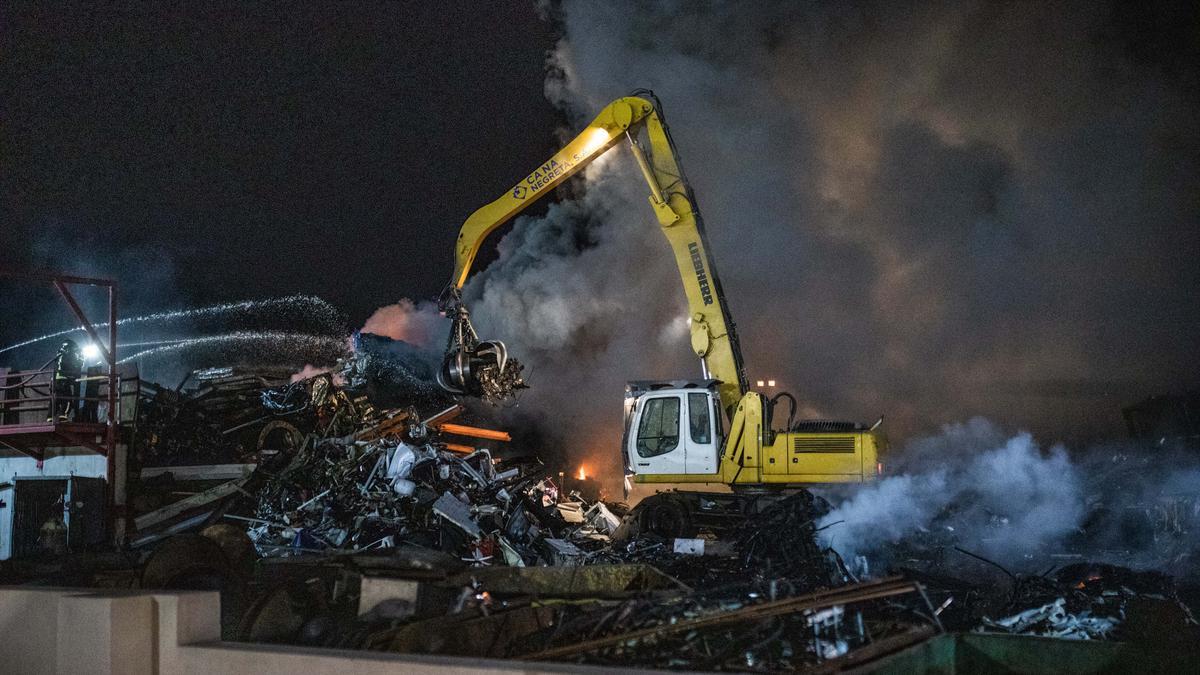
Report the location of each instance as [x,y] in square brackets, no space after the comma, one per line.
[62,481]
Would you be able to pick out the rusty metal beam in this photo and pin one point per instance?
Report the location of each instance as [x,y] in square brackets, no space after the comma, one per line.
[75,439]
[474,432]
[848,594]
[24,451]
[87,325]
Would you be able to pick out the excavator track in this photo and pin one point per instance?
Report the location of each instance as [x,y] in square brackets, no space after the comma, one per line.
[684,514]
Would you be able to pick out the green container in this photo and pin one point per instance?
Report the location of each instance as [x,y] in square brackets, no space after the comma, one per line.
[954,653]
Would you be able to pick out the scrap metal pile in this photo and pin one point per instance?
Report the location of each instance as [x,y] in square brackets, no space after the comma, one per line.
[756,626]
[341,485]
[1146,539]
[234,414]
[1086,601]
[1080,601]
[332,472]
[777,542]
[381,528]
[206,424]
[744,627]
[352,494]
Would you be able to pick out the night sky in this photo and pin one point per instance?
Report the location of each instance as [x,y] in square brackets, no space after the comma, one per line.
[933,211]
[331,150]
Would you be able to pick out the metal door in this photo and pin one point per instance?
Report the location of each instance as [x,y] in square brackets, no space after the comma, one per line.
[37,503]
[656,445]
[701,438]
[85,513]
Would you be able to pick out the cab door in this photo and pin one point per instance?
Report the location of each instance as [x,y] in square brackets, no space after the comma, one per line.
[701,443]
[656,445]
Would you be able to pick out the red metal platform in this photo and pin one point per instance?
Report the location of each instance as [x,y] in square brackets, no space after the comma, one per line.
[33,439]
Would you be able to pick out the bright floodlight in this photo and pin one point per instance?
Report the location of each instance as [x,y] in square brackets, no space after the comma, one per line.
[597,138]
[770,383]
[90,352]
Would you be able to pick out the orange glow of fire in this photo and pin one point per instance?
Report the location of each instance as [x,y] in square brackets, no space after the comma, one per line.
[582,475]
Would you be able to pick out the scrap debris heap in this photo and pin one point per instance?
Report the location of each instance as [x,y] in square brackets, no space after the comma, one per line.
[211,423]
[236,414]
[371,491]
[332,472]
[391,527]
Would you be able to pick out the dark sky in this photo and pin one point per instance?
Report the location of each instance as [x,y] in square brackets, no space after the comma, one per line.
[253,151]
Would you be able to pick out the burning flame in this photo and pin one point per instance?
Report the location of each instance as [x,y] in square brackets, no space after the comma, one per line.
[582,475]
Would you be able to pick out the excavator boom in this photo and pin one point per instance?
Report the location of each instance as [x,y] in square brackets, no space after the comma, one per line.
[713,334]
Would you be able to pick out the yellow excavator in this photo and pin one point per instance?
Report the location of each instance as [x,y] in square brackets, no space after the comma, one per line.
[712,430]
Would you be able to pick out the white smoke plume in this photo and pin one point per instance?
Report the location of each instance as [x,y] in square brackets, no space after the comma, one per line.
[1008,495]
[935,213]
[1014,501]
[576,297]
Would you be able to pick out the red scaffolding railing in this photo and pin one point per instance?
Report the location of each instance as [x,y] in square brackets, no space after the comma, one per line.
[99,435]
[35,414]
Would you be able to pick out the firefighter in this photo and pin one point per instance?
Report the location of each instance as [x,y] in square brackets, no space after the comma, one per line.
[68,368]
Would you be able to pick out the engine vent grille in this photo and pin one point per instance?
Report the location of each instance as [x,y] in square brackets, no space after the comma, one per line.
[840,444]
[827,426]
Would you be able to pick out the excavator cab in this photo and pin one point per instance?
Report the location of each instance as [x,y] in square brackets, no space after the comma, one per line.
[672,428]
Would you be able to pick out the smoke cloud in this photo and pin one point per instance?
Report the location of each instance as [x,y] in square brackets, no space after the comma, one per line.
[418,324]
[1008,498]
[932,212]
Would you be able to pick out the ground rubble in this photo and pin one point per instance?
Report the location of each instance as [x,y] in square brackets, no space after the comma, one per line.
[387,529]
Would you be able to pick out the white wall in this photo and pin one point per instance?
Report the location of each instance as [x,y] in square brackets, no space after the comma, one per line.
[76,631]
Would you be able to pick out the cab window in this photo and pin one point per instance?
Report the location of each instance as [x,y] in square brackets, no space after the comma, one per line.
[658,432]
[698,418]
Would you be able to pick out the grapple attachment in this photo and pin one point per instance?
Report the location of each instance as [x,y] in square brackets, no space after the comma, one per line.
[462,366]
[474,367]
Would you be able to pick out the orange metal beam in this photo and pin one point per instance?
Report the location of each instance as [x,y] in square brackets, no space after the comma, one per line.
[455,447]
[474,432]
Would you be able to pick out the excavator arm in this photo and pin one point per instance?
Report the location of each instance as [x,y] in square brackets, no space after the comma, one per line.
[713,335]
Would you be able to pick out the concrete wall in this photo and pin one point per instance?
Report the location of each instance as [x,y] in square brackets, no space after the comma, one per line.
[79,631]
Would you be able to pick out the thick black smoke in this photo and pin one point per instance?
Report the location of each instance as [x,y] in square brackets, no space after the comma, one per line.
[928,212]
